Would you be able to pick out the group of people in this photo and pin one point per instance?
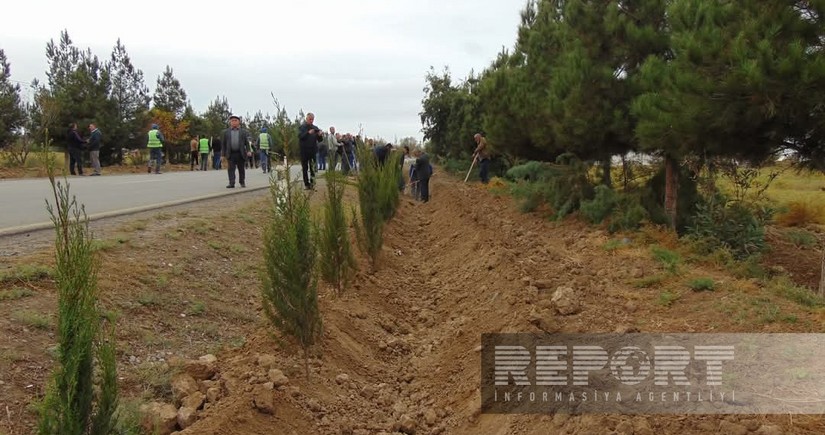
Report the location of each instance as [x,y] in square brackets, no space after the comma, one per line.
[237,147]
[77,144]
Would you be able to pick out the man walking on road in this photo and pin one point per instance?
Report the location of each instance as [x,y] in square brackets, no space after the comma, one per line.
[308,137]
[482,154]
[155,145]
[235,150]
[216,153]
[265,142]
[203,148]
[95,141]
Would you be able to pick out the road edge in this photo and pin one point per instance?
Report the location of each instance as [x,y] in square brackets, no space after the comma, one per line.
[30,228]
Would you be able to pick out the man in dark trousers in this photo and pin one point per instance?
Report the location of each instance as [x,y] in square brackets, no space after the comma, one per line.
[482,155]
[235,150]
[424,170]
[75,149]
[95,141]
[216,153]
[308,137]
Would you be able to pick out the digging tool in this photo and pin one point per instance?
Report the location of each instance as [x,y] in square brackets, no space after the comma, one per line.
[475,157]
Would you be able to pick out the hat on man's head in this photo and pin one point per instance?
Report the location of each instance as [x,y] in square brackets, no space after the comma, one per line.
[263,129]
[154,126]
[236,117]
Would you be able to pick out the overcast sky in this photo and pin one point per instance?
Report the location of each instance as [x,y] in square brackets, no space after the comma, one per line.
[350,62]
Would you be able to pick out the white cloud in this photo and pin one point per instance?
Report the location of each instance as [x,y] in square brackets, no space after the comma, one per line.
[349,61]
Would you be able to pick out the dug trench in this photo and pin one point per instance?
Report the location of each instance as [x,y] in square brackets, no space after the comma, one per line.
[401,347]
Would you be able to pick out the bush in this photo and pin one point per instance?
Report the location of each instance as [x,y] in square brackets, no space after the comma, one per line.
[784,287]
[628,214]
[378,196]
[289,282]
[702,284]
[563,185]
[801,238]
[82,396]
[669,260]
[337,262]
[735,226]
[388,193]
[601,206]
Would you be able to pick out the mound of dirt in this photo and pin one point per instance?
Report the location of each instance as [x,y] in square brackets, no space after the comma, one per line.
[401,348]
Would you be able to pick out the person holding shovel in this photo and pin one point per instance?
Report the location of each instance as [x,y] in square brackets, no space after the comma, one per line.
[482,156]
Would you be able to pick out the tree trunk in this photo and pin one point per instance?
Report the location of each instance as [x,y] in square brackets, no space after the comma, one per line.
[671,189]
[606,176]
[625,171]
[822,276]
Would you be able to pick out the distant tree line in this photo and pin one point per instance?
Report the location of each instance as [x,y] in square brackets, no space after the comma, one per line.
[112,93]
[683,80]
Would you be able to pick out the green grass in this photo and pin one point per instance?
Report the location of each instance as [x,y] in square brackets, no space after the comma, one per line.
[669,260]
[148,299]
[215,245]
[648,281]
[238,249]
[666,298]
[197,308]
[702,284]
[161,281]
[26,273]
[15,294]
[33,319]
[801,238]
[784,287]
[614,245]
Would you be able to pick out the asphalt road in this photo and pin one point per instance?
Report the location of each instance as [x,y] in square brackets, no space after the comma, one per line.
[23,202]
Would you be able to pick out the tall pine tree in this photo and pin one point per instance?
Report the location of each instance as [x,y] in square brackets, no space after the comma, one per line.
[169,95]
[12,115]
[130,97]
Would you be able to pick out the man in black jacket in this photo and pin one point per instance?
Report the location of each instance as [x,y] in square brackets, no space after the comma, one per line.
[235,150]
[308,137]
[75,149]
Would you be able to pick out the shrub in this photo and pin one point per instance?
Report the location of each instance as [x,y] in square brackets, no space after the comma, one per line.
[702,284]
[784,287]
[601,206]
[79,399]
[337,261]
[801,238]
[289,282]
[370,234]
[669,260]
[736,226]
[628,214]
[563,186]
[388,193]
[666,298]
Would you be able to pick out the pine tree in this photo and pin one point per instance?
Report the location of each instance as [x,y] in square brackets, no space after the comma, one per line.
[217,115]
[130,97]
[12,114]
[742,84]
[79,89]
[169,95]
[290,281]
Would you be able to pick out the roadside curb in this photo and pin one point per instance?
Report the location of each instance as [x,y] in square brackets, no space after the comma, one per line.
[22,229]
